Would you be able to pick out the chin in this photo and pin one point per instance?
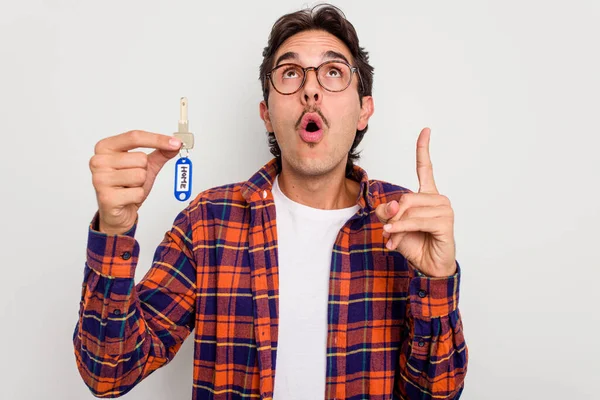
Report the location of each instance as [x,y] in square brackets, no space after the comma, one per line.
[312,166]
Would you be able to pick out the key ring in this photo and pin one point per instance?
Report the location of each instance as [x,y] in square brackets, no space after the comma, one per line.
[187,151]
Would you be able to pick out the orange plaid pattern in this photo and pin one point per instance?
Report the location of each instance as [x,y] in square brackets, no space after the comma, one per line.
[392,332]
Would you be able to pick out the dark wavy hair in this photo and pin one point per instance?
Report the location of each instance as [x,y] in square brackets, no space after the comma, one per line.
[328,18]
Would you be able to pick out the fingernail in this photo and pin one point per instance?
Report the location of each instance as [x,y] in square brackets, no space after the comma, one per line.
[389,244]
[175,143]
[387,227]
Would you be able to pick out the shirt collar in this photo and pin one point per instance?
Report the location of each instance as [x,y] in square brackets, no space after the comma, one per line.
[259,186]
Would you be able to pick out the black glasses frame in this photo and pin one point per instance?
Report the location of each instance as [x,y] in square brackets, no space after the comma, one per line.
[353,70]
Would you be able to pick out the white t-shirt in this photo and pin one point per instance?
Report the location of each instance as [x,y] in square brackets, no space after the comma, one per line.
[305,239]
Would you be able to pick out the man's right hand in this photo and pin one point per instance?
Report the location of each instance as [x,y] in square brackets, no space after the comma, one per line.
[123,179]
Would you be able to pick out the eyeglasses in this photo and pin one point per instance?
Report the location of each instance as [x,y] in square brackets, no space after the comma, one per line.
[333,76]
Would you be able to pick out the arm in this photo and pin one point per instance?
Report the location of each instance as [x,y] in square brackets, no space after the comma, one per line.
[434,355]
[127,331]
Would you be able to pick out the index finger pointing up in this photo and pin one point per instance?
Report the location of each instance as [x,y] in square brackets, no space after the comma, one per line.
[424,166]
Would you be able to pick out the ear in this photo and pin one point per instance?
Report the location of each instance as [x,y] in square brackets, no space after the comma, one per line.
[265,116]
[367,109]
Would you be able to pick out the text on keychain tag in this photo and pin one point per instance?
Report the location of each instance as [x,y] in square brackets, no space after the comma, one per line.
[183,178]
[183,166]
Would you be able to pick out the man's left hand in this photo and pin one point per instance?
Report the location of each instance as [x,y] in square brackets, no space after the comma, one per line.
[421,225]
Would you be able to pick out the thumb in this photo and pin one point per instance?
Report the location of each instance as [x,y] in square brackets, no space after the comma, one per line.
[158,158]
[385,211]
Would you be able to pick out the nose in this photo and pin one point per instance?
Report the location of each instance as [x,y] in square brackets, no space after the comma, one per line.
[311,91]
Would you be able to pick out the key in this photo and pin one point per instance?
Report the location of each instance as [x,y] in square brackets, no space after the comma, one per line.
[183,134]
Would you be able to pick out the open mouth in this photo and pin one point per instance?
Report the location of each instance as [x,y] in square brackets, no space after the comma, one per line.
[312,127]
[311,122]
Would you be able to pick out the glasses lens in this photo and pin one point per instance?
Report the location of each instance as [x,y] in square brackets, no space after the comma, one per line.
[335,76]
[287,78]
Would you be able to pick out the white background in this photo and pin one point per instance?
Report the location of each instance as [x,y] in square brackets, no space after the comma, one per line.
[509,88]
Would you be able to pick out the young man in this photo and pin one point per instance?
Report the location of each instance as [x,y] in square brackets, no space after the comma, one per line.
[308,280]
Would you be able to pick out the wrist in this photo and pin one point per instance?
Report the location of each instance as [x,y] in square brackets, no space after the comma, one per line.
[441,273]
[108,229]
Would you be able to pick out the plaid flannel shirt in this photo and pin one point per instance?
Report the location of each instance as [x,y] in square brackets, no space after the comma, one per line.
[393,333]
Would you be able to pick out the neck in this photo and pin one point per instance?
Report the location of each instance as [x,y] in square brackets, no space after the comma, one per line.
[330,191]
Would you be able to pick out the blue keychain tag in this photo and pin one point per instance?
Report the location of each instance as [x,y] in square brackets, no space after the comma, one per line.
[183,179]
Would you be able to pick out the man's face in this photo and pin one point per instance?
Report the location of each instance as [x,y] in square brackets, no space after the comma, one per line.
[337,114]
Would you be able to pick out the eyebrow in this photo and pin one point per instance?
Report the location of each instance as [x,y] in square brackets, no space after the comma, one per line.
[290,55]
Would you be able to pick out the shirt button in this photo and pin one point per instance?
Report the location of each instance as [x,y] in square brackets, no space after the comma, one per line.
[421,343]
[422,293]
[264,194]
[117,312]
[126,255]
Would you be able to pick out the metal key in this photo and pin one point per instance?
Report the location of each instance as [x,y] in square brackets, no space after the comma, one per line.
[186,137]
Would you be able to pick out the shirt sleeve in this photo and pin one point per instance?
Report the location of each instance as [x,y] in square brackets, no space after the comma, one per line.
[127,331]
[434,355]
